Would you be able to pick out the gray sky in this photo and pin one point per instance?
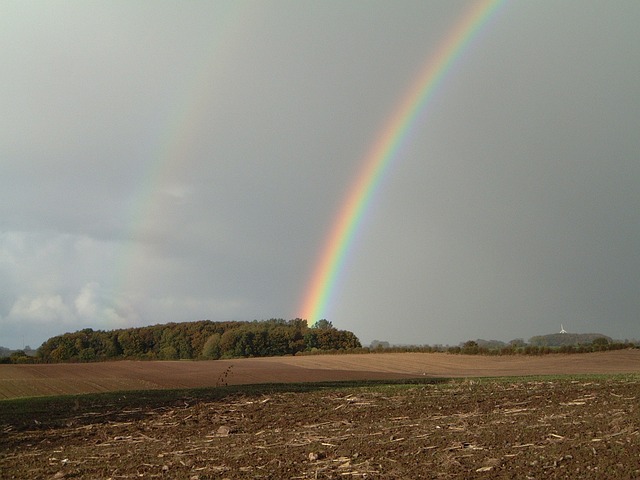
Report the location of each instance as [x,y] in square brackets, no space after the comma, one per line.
[176,161]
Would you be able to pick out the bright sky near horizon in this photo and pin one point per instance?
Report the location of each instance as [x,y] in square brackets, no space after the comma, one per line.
[172,161]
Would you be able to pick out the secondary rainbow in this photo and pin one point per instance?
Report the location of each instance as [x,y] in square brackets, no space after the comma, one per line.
[380,158]
[171,148]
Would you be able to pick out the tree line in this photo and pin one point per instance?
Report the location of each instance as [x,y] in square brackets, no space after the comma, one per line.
[214,340]
[203,339]
[599,343]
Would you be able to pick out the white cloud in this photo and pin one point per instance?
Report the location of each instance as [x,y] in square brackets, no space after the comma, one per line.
[40,316]
[96,306]
[85,302]
[41,309]
[198,174]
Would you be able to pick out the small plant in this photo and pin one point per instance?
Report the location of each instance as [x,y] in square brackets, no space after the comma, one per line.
[222,379]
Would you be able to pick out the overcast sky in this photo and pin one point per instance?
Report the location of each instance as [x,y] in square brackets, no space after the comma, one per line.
[177,161]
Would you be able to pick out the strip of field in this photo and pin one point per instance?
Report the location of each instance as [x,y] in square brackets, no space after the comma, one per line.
[449,365]
[58,379]
[574,426]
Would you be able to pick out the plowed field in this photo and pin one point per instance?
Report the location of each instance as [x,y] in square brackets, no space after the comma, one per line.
[575,425]
[58,379]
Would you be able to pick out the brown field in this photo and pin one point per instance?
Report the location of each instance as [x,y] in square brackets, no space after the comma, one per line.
[523,425]
[59,379]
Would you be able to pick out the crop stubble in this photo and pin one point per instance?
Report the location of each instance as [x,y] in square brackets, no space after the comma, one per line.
[566,427]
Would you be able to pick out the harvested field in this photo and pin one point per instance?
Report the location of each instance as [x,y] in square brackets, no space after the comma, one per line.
[420,422]
[578,427]
[58,379]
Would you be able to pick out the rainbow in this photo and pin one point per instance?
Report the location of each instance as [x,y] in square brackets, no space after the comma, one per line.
[380,158]
[170,149]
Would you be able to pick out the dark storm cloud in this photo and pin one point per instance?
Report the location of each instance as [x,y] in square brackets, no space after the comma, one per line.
[169,163]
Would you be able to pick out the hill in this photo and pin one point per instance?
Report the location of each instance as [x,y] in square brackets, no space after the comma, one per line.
[202,339]
[566,339]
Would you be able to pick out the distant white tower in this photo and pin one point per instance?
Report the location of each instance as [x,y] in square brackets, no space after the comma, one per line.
[562,330]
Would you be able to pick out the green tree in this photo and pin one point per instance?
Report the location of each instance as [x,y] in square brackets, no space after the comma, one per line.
[311,340]
[228,342]
[188,340]
[168,352]
[130,343]
[323,324]
[19,356]
[212,349]
[63,352]
[87,355]
[470,347]
[600,344]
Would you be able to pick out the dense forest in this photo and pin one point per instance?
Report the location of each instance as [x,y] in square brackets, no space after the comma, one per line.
[203,339]
[207,340]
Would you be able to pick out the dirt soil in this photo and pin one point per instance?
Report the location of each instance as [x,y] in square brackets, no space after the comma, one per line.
[59,379]
[533,428]
[537,427]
